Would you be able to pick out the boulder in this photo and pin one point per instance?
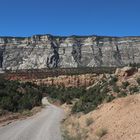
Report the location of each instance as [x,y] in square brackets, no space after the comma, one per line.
[125,71]
[45,101]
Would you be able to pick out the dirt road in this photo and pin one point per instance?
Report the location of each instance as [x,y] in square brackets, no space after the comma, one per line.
[43,126]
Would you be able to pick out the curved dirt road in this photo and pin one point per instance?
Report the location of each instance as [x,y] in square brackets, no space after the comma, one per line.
[43,126]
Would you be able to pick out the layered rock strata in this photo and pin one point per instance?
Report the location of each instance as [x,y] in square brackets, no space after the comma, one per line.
[47,51]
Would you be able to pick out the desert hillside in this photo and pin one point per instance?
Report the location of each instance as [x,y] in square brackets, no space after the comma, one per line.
[101,107]
[108,111]
[117,120]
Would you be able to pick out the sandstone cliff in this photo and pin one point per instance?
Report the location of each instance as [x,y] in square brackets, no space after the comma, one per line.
[83,80]
[47,51]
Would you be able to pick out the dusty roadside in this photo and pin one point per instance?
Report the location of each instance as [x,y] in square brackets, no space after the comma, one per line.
[42,126]
[9,117]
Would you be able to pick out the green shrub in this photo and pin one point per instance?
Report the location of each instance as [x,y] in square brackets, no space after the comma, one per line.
[6,103]
[125,84]
[122,94]
[113,80]
[105,89]
[13,99]
[109,98]
[133,89]
[116,89]
[64,95]
[91,99]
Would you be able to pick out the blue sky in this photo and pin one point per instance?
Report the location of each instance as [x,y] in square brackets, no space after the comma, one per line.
[70,17]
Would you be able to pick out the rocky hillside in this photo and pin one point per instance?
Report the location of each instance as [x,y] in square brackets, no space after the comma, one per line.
[47,51]
[108,111]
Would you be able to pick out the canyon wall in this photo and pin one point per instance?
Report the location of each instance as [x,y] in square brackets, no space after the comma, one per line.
[47,51]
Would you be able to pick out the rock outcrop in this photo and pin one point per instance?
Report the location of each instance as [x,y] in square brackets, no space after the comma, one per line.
[126,71]
[47,51]
[83,80]
[68,81]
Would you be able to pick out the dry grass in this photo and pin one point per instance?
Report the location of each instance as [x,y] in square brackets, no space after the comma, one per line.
[89,121]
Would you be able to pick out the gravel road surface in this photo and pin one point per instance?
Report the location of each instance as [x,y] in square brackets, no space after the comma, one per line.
[42,126]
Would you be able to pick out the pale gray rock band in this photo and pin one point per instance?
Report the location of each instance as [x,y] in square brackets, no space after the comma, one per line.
[47,51]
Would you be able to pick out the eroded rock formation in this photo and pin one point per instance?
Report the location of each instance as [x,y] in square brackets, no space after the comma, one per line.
[47,51]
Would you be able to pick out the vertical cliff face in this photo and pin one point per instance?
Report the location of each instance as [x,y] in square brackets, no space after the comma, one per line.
[46,51]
